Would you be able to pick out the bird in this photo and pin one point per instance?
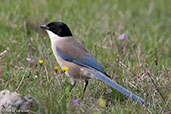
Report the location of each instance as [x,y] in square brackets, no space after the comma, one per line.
[70,52]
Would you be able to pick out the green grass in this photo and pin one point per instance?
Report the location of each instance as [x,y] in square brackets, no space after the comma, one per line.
[141,62]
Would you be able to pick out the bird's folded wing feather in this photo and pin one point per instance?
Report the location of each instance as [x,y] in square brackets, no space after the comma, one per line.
[73,51]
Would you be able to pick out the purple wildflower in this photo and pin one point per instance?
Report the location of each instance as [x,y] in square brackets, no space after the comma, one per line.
[31,39]
[121,36]
[75,102]
[2,53]
[29,59]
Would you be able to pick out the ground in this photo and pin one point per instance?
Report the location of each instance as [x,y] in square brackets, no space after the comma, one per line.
[130,39]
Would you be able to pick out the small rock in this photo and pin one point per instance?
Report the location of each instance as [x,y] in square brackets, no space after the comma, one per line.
[13,102]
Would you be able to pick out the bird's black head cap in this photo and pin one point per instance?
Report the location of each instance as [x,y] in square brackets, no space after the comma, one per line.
[58,28]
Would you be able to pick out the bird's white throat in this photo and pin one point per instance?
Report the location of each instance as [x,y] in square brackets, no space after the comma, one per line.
[53,37]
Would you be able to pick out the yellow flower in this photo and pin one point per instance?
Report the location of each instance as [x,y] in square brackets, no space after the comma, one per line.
[64,68]
[40,61]
[56,67]
[101,102]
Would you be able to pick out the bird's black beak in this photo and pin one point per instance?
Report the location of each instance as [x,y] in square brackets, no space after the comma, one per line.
[44,27]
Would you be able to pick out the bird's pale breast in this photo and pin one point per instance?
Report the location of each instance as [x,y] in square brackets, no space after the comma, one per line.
[74,70]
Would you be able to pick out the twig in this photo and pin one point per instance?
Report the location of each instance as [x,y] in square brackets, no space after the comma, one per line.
[156,88]
[21,81]
[164,107]
[125,66]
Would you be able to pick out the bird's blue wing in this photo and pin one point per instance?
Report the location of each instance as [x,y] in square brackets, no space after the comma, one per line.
[86,61]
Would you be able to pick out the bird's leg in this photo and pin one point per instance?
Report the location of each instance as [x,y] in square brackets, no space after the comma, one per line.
[86,83]
[72,86]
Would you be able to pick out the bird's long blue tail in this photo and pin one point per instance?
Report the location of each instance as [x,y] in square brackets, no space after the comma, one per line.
[119,88]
